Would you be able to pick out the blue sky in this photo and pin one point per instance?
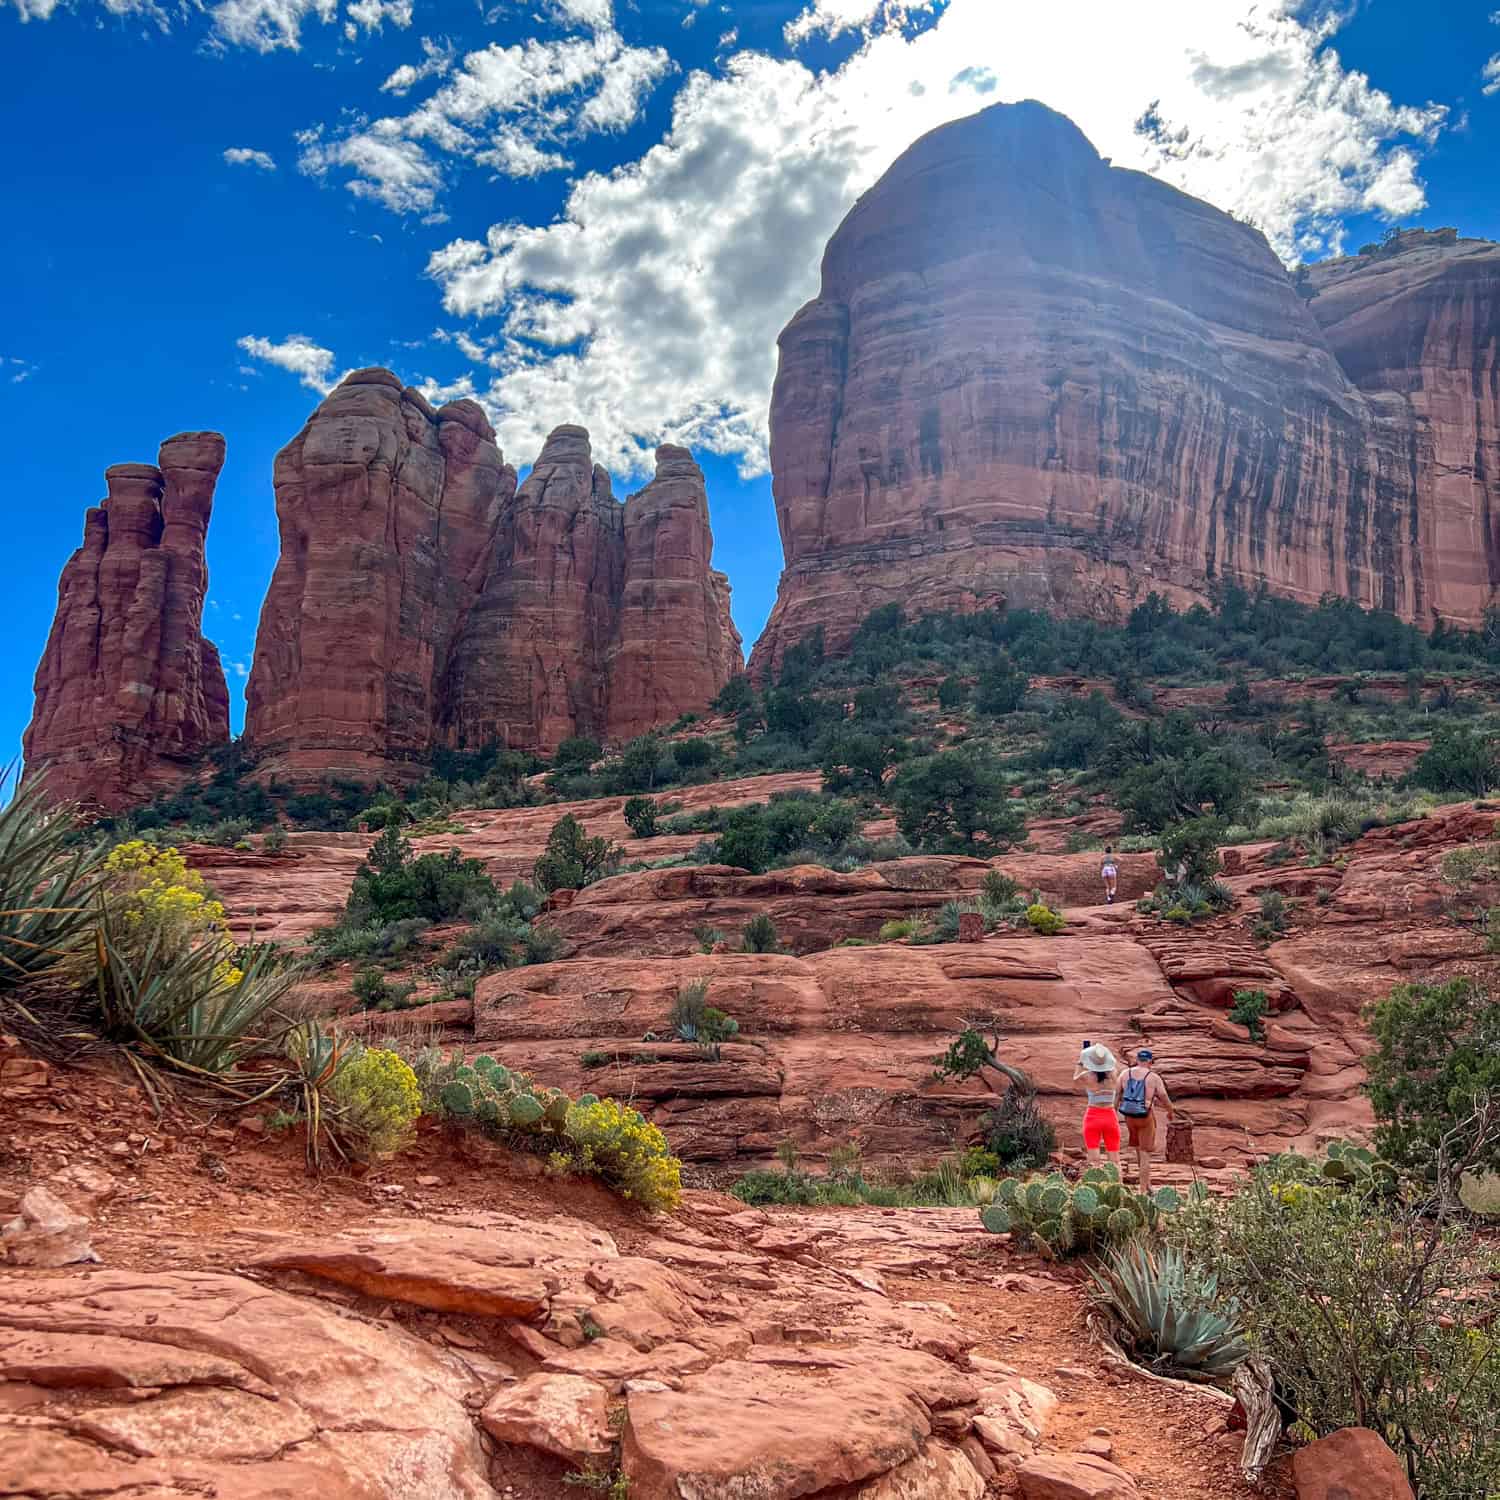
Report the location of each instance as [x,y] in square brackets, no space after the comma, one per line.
[589,210]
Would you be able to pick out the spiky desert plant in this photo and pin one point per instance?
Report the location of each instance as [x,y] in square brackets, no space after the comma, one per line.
[1168,1312]
[1061,1218]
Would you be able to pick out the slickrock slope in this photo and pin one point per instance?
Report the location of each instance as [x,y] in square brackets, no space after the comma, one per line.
[1032,377]
[128,689]
[421,600]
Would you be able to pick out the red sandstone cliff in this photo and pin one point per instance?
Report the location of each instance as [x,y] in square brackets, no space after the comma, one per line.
[128,691]
[1030,376]
[389,514]
[422,600]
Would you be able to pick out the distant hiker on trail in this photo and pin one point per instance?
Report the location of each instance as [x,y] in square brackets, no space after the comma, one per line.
[1110,871]
[1101,1126]
[1140,1090]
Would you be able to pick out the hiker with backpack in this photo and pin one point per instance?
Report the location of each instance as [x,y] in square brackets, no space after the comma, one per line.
[1138,1092]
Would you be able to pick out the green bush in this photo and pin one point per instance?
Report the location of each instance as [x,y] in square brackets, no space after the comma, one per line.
[1248,1010]
[956,802]
[1363,1312]
[274,840]
[1459,760]
[572,859]
[744,842]
[952,694]
[1437,1059]
[693,1019]
[577,754]
[759,935]
[1041,918]
[390,885]
[375,992]
[640,816]
[999,890]
[368,940]
[375,1094]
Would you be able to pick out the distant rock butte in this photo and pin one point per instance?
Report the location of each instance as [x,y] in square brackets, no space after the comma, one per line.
[422,600]
[1033,378]
[128,691]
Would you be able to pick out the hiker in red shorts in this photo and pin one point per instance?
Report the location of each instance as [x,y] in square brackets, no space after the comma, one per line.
[1101,1125]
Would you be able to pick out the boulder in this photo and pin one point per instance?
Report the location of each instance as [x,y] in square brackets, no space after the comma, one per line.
[1351,1464]
[560,1414]
[1077,1476]
[129,691]
[46,1233]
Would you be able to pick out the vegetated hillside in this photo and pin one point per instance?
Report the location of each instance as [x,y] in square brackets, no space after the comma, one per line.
[1283,835]
[835,948]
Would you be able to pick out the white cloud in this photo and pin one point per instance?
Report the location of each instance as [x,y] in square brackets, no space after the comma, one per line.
[833,17]
[43,10]
[1491,73]
[243,156]
[596,13]
[266,25]
[299,355]
[373,14]
[649,308]
[506,108]
[437,60]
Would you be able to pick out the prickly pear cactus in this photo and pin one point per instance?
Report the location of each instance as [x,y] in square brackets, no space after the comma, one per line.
[525,1111]
[457,1098]
[1061,1218]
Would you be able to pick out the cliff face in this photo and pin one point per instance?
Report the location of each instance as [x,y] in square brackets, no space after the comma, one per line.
[389,515]
[1035,378]
[128,691]
[422,600]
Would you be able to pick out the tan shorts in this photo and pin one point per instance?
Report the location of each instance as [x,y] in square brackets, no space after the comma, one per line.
[1142,1131]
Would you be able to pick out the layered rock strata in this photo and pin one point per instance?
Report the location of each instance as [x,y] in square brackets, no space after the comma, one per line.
[422,600]
[1033,378]
[128,691]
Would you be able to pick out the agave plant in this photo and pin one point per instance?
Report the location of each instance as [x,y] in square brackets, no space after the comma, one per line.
[1168,1312]
[187,1004]
[46,890]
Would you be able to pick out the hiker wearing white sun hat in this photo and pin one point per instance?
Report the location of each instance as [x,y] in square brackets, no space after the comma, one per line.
[1101,1125]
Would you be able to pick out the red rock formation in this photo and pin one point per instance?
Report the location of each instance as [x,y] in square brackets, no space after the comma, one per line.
[390,513]
[422,600]
[128,691]
[1033,377]
[675,645]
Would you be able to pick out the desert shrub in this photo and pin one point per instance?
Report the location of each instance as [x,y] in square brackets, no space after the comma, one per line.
[1248,1010]
[952,694]
[744,842]
[378,1099]
[577,754]
[759,935]
[979,1162]
[1272,919]
[375,992]
[735,696]
[999,890]
[956,802]
[572,859]
[900,928]
[1436,1062]
[390,885]
[640,816]
[708,938]
[856,758]
[1361,1309]
[1164,1308]
[628,1152]
[694,754]
[1189,851]
[542,944]
[369,940]
[1017,1133]
[1001,688]
[274,840]
[1459,760]
[154,894]
[693,1019]
[1041,918]
[788,1187]
[967,1053]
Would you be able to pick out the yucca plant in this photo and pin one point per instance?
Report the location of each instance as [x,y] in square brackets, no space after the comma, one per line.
[185,1003]
[46,890]
[1167,1312]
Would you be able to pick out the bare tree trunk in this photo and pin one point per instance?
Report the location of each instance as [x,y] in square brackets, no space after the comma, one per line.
[1253,1389]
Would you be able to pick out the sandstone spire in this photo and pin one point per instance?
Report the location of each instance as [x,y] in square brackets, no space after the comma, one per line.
[128,691]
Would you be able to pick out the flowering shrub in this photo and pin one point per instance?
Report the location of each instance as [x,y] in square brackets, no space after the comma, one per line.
[157,897]
[628,1152]
[379,1098]
[1041,918]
